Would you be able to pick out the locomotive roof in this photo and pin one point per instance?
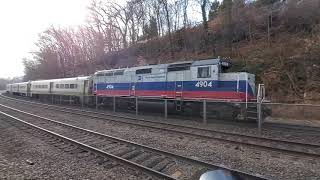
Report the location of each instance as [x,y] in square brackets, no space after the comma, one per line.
[206,62]
[192,63]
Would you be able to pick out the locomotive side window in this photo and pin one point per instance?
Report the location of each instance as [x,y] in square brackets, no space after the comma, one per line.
[143,71]
[118,73]
[179,67]
[204,72]
[100,74]
[109,74]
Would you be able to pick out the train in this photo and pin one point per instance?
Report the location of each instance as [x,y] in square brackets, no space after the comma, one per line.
[182,82]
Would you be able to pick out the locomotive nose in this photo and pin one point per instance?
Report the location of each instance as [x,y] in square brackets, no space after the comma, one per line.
[219,175]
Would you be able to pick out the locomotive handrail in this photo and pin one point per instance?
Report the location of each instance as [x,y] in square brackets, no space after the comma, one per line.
[246,91]
[261,93]
[260,99]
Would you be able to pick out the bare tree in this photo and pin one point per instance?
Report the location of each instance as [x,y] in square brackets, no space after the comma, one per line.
[168,20]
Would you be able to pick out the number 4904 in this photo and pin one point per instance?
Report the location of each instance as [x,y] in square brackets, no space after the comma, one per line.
[204,84]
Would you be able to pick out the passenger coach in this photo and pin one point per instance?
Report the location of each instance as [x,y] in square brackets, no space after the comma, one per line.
[21,89]
[77,86]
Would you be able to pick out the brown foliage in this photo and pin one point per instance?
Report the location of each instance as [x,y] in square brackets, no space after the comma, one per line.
[278,41]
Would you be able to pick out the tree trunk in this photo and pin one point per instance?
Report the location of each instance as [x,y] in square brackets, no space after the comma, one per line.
[165,3]
[204,22]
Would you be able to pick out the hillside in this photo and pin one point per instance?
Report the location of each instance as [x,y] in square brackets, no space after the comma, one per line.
[279,41]
[288,65]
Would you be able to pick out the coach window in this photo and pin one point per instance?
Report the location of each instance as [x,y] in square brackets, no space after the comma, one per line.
[204,72]
[73,86]
[57,86]
[66,86]
[61,86]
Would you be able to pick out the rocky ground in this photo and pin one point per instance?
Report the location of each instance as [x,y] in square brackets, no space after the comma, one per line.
[27,156]
[273,165]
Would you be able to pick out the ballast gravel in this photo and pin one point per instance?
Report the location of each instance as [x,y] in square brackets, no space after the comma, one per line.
[271,164]
[26,156]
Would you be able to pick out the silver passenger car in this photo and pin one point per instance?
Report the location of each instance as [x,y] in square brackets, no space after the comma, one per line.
[77,86]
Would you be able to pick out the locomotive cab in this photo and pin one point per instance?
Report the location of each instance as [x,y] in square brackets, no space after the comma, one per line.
[206,75]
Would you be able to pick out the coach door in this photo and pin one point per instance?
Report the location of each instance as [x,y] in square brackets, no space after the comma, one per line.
[51,87]
[86,87]
[28,89]
[179,84]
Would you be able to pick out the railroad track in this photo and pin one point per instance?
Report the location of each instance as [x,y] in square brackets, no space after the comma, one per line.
[296,128]
[286,146]
[277,126]
[156,162]
[65,146]
[313,129]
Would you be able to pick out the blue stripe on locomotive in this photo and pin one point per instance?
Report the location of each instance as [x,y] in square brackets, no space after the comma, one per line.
[187,86]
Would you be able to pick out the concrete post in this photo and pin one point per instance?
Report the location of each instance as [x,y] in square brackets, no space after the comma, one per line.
[259,117]
[166,109]
[136,106]
[82,100]
[114,104]
[204,111]
[97,101]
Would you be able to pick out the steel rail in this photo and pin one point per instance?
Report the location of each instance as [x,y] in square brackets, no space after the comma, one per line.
[93,149]
[237,135]
[167,153]
[293,127]
[290,127]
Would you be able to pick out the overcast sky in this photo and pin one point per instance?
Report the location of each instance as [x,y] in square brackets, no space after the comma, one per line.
[22,20]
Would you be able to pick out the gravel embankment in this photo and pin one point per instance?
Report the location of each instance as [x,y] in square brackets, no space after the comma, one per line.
[28,156]
[271,164]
